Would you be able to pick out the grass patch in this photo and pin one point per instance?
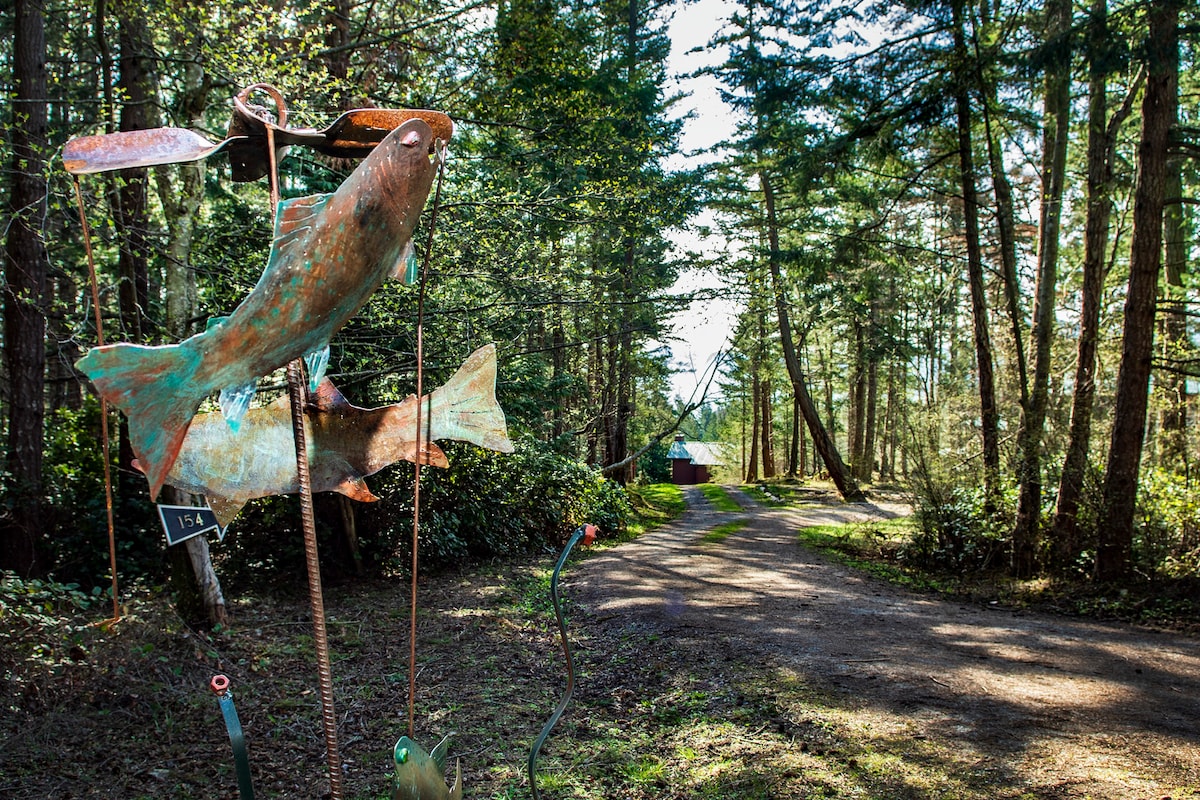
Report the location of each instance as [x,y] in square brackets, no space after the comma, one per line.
[653,505]
[722,531]
[766,495]
[718,497]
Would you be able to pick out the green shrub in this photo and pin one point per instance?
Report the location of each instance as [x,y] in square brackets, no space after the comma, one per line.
[1167,535]
[955,529]
[486,504]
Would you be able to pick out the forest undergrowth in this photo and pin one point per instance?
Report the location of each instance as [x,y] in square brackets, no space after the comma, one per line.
[127,705]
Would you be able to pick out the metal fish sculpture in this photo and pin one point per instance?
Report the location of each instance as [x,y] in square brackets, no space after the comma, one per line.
[330,253]
[345,443]
[419,775]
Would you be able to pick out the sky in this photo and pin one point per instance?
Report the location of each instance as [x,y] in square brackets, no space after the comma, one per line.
[700,331]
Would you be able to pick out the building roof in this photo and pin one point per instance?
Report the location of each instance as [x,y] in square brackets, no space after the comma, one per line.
[699,453]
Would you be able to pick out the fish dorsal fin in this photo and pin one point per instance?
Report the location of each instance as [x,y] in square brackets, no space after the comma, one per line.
[355,488]
[438,753]
[328,398]
[407,268]
[297,213]
[224,509]
[296,216]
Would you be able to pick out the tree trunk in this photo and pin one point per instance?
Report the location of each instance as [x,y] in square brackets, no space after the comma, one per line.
[1101,139]
[795,445]
[858,403]
[823,442]
[755,411]
[768,430]
[1172,328]
[1114,550]
[25,293]
[197,588]
[867,468]
[1006,232]
[1055,133]
[988,412]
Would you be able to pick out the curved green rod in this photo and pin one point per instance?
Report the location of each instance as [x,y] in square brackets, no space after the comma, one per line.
[588,534]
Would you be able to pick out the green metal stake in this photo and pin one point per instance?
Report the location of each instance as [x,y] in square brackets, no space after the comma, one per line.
[588,534]
[241,761]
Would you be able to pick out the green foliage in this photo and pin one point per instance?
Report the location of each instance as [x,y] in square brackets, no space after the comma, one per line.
[654,466]
[1167,535]
[957,530]
[75,508]
[718,497]
[37,618]
[484,505]
[653,505]
[722,532]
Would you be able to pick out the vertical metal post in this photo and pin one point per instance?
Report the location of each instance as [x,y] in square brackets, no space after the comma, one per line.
[298,395]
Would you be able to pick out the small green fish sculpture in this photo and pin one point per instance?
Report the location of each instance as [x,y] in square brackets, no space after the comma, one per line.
[420,775]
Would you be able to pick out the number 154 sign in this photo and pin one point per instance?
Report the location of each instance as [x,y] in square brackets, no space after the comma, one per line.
[181,523]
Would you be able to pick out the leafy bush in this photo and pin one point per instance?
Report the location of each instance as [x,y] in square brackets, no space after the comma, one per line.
[1167,536]
[484,505]
[956,530]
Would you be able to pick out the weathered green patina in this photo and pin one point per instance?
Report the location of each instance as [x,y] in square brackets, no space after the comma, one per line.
[419,775]
[345,443]
[330,253]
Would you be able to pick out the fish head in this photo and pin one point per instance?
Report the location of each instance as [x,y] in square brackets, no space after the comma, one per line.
[418,774]
[389,188]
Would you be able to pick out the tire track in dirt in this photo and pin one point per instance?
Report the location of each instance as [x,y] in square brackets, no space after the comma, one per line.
[1086,708]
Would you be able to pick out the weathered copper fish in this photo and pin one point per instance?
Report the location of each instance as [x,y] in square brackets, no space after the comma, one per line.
[345,443]
[330,253]
[419,775]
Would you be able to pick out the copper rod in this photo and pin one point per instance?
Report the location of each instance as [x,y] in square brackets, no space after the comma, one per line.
[412,632]
[108,489]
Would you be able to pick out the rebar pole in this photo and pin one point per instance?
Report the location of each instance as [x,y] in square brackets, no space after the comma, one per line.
[298,396]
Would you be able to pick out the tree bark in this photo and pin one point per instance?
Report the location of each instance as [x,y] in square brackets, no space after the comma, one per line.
[1055,133]
[25,292]
[988,411]
[867,468]
[1005,230]
[197,587]
[1172,328]
[858,403]
[768,429]
[1101,139]
[1115,546]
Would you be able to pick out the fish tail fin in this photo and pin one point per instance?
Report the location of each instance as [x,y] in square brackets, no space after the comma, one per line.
[156,388]
[465,408]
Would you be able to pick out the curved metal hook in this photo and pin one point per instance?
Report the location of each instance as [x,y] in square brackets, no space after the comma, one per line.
[588,534]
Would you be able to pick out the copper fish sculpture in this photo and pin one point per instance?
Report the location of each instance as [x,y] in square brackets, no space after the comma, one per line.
[345,443]
[330,253]
[419,775]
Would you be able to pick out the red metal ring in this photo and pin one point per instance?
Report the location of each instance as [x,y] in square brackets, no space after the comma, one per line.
[219,684]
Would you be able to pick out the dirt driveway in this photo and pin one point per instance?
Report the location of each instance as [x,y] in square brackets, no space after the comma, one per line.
[1052,706]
